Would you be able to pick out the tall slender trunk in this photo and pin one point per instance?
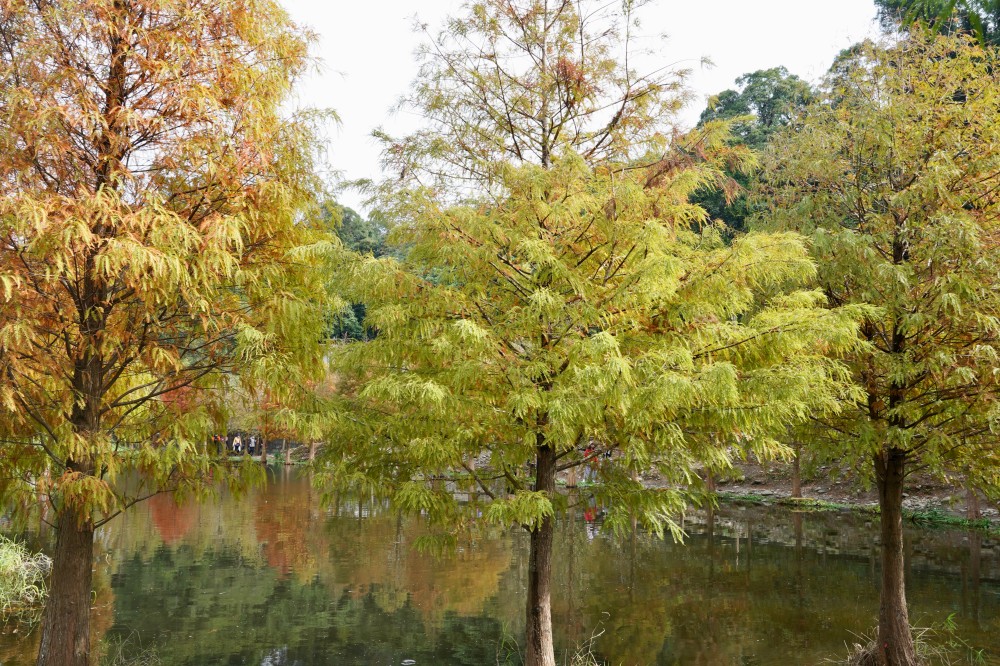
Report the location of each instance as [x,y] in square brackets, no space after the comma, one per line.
[312,450]
[797,470]
[539,648]
[66,623]
[895,641]
[972,511]
[65,637]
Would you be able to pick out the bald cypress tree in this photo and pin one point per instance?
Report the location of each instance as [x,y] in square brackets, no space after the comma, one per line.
[895,179]
[151,216]
[560,302]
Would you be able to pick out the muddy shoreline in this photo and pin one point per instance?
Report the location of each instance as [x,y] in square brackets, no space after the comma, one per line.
[773,482]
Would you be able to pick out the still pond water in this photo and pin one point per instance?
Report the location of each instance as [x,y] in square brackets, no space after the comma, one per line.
[275,578]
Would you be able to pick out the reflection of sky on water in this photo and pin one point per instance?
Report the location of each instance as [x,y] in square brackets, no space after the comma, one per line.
[272,578]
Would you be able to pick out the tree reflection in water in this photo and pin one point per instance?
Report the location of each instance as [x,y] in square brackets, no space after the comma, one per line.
[275,578]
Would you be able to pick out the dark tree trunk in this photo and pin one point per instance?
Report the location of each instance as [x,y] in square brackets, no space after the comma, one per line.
[797,471]
[66,623]
[972,511]
[539,648]
[895,640]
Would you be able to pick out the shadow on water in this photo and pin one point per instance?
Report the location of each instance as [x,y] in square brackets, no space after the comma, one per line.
[273,578]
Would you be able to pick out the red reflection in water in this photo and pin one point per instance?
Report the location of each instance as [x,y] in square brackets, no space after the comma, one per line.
[173,522]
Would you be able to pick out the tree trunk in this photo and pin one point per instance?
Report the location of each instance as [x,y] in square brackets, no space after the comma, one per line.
[263,449]
[797,471]
[895,640]
[972,511]
[66,623]
[539,648]
[312,450]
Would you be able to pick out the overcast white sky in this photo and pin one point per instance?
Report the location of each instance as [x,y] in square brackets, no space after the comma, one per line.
[367,52]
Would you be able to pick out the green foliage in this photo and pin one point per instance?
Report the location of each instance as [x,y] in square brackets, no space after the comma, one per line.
[764,102]
[580,309]
[522,508]
[894,179]
[977,17]
[938,518]
[355,232]
[364,237]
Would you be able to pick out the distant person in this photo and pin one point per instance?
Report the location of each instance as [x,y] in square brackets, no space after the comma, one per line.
[238,444]
[253,444]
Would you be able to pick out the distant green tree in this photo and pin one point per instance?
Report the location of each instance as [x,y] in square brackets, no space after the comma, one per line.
[978,17]
[764,102]
[361,235]
[358,234]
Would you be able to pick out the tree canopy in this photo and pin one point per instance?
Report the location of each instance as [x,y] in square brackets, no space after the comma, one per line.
[764,102]
[977,17]
[553,315]
[561,295]
[151,215]
[520,82]
[356,233]
[895,180]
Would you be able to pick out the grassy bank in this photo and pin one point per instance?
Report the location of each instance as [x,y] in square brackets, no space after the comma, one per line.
[22,578]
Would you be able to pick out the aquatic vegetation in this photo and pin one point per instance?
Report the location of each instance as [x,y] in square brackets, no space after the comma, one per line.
[937,644]
[127,651]
[22,578]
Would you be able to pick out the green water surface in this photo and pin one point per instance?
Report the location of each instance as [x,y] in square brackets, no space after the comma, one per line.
[274,578]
